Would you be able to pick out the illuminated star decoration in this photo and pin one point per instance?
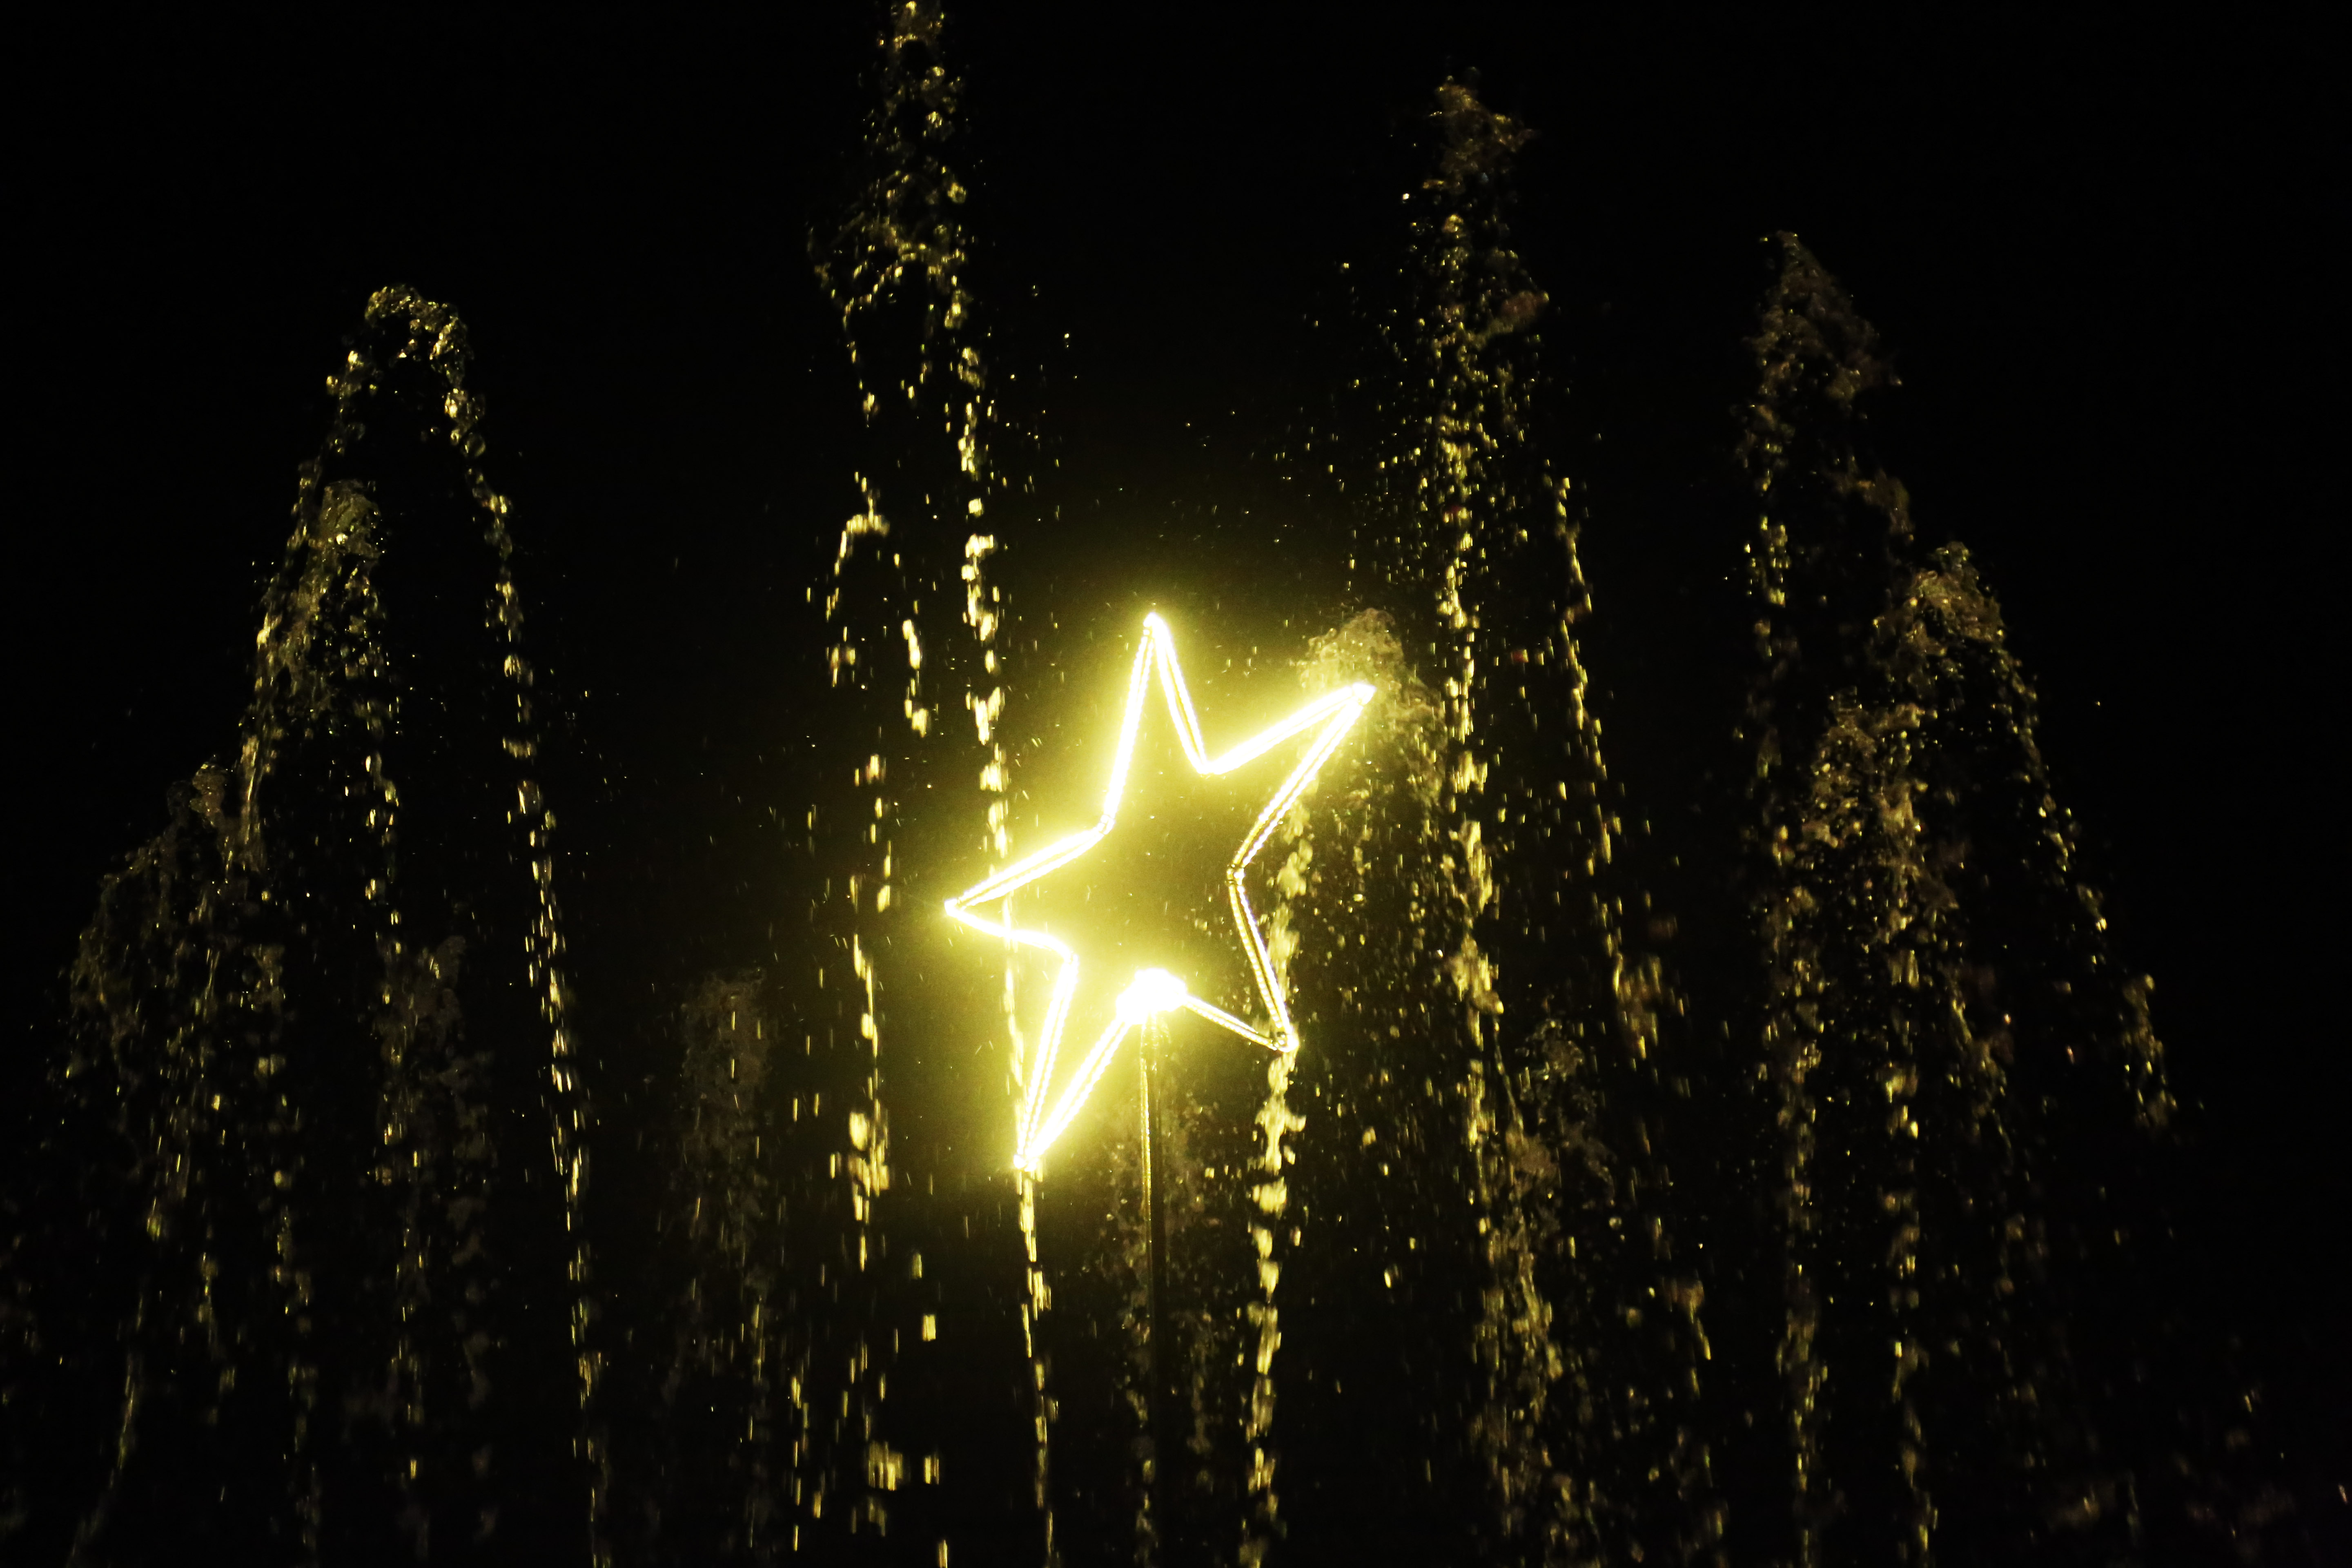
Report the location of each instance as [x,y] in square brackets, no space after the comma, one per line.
[1155,991]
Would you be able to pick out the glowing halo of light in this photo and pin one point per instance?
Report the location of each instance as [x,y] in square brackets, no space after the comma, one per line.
[1155,991]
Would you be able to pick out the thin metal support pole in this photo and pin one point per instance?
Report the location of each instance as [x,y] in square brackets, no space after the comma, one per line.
[1155,1039]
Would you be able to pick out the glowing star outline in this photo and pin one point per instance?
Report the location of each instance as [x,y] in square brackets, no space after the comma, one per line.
[1156,991]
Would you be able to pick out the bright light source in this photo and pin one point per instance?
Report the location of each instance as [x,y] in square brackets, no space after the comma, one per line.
[1155,991]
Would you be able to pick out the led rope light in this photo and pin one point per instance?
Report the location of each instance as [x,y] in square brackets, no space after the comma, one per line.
[1155,991]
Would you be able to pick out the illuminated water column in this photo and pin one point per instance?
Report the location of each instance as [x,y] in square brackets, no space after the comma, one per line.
[944,1435]
[329,1007]
[1963,1075]
[1484,1165]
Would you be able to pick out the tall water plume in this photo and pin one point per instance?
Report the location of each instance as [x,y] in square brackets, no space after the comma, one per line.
[1957,1066]
[321,1117]
[1478,1183]
[926,1414]
[851,1352]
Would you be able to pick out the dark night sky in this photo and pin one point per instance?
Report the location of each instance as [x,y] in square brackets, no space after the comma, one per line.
[2095,251]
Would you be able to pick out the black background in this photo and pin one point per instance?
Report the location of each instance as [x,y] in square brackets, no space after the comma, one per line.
[2094,246]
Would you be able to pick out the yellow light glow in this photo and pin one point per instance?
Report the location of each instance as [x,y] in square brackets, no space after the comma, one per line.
[1155,991]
